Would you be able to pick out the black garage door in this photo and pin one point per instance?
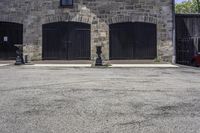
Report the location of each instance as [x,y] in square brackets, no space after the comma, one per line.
[133,41]
[66,41]
[10,34]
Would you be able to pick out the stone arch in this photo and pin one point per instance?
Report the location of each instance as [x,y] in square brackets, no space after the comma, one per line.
[61,49]
[67,18]
[82,18]
[133,18]
[11,19]
[160,23]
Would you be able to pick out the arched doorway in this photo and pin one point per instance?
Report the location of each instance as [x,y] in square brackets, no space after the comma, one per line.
[10,34]
[66,41]
[133,41]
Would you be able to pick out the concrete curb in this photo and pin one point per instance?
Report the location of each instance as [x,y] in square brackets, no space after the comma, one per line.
[61,65]
[3,65]
[112,66]
[144,66]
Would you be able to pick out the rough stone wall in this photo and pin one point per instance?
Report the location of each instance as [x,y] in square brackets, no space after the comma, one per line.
[99,13]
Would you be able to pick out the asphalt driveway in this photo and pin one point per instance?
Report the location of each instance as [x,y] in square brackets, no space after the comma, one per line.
[92,100]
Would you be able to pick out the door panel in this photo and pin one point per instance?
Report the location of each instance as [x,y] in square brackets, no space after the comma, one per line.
[51,38]
[133,41]
[79,48]
[121,41]
[145,41]
[10,34]
[66,41]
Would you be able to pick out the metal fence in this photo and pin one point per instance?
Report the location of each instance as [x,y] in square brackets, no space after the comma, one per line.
[187,37]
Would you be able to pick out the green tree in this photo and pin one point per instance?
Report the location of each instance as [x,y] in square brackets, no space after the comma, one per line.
[198,6]
[190,6]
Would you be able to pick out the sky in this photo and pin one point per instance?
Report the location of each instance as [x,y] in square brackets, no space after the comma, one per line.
[178,1]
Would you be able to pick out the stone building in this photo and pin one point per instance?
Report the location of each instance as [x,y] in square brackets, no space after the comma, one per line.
[72,29]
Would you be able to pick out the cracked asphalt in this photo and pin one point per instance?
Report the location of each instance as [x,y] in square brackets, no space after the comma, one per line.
[93,100]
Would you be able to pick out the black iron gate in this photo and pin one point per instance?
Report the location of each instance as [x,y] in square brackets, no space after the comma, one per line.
[133,41]
[66,41]
[185,51]
[10,34]
[187,37]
